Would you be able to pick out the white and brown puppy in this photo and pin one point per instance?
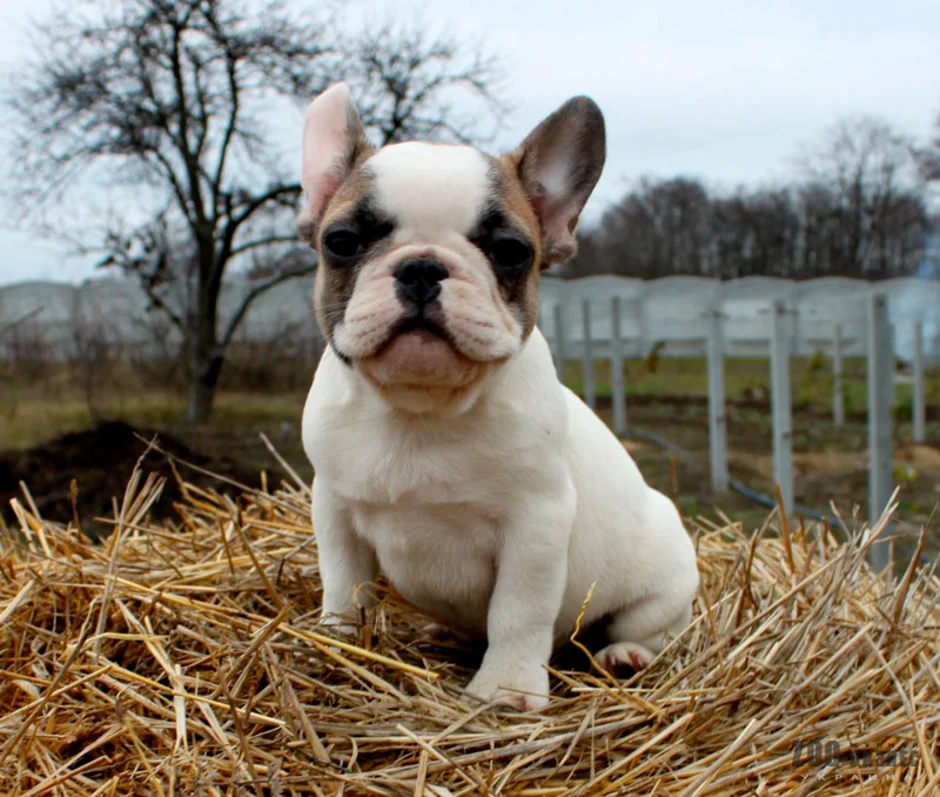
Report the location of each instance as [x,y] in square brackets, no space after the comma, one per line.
[447,454]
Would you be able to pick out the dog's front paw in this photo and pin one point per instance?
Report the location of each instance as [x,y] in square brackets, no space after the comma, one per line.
[524,687]
[338,622]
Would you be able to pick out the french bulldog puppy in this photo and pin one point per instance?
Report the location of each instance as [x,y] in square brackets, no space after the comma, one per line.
[447,454]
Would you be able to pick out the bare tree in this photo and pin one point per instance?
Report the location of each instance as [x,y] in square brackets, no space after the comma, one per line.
[176,101]
[661,227]
[876,218]
[755,233]
[404,82]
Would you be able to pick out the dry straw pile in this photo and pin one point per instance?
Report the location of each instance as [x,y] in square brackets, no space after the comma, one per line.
[187,660]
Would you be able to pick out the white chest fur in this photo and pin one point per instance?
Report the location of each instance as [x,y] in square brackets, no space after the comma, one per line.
[441,557]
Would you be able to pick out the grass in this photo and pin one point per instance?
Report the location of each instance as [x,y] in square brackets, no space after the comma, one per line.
[811,380]
[49,407]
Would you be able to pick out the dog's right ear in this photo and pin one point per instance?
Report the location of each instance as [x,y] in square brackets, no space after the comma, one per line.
[334,141]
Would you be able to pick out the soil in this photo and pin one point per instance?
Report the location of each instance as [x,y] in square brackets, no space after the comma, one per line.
[101,460]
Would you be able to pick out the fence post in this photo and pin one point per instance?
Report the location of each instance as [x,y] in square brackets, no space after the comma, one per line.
[780,404]
[717,426]
[618,391]
[561,344]
[880,400]
[838,397]
[587,363]
[643,322]
[920,405]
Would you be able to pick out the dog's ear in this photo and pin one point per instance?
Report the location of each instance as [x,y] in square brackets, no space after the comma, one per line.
[559,164]
[334,141]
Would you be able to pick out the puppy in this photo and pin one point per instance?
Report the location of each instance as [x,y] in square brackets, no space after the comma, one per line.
[447,454]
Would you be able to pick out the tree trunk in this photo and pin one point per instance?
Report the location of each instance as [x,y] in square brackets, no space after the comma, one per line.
[205,358]
[203,380]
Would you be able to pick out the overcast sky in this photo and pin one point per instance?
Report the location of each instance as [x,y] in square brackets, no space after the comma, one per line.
[726,91]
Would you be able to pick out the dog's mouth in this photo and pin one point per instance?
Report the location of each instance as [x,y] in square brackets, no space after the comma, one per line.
[419,351]
[422,327]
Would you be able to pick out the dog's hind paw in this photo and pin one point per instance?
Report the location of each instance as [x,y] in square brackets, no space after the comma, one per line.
[624,654]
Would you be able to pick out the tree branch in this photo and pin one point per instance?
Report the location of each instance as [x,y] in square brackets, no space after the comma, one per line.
[298,270]
[157,301]
[189,160]
[272,239]
[238,218]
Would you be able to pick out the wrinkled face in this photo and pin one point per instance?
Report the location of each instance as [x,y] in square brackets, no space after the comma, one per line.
[429,254]
[429,271]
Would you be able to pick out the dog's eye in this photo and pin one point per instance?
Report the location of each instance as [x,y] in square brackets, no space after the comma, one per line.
[342,244]
[510,252]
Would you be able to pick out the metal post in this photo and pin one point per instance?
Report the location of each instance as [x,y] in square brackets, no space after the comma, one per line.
[838,397]
[920,405]
[587,361]
[618,391]
[561,347]
[880,399]
[717,428]
[643,322]
[780,404]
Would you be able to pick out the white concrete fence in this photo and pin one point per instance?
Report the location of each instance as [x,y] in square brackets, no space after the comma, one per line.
[53,318]
[590,319]
[611,318]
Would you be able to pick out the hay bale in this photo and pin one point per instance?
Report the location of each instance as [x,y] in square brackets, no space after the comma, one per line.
[187,660]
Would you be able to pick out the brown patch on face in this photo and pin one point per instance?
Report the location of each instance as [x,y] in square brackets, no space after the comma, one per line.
[349,209]
[353,190]
[512,197]
[510,211]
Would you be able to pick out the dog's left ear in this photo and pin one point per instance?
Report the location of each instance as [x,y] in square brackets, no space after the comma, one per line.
[559,164]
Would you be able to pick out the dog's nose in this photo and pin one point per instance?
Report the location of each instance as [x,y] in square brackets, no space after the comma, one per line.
[419,280]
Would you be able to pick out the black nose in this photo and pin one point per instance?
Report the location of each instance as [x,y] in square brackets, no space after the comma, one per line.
[419,280]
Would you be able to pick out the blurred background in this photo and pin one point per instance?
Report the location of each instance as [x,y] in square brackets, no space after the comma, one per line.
[151,280]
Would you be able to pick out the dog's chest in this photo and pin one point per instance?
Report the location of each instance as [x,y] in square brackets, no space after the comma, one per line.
[434,509]
[440,556]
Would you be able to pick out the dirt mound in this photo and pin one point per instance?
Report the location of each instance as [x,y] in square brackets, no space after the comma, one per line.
[101,460]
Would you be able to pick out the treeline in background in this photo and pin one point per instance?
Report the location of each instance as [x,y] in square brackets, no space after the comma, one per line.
[857,207]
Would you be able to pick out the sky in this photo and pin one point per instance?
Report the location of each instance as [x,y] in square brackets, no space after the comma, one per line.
[728,91]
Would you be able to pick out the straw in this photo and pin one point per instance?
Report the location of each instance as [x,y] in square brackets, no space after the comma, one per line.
[187,659]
